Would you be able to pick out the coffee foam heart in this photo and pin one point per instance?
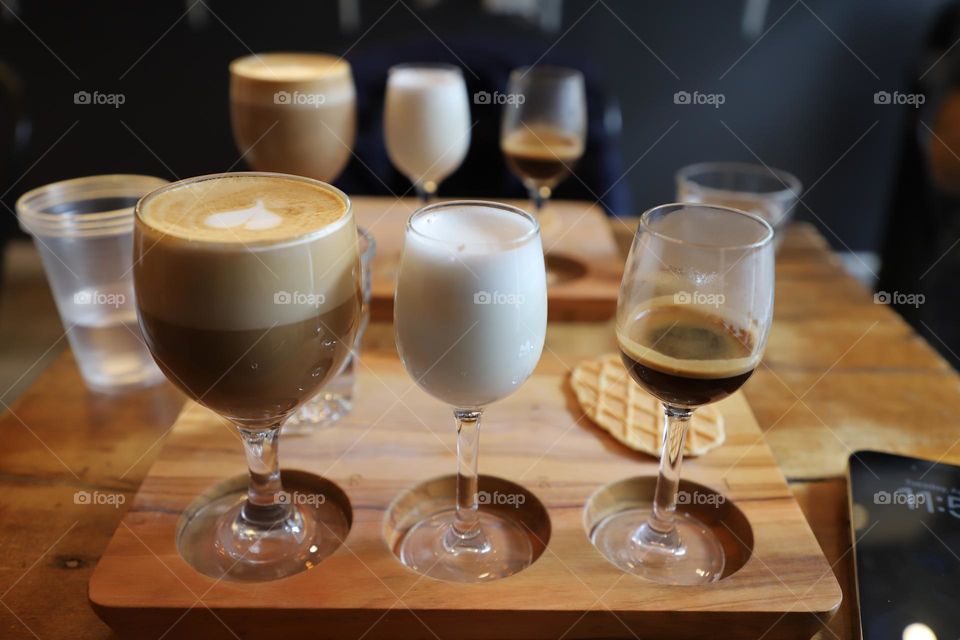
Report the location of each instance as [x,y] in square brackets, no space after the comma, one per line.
[255,218]
[246,209]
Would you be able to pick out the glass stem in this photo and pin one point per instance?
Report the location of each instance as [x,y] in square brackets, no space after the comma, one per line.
[265,505]
[426,190]
[466,534]
[539,196]
[660,525]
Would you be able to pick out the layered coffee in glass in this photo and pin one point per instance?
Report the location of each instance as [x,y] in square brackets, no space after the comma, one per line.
[248,293]
[294,112]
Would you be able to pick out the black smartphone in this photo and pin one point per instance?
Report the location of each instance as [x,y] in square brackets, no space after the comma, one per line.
[905,520]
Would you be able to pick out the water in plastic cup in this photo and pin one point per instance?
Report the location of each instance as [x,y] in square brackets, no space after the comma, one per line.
[82,229]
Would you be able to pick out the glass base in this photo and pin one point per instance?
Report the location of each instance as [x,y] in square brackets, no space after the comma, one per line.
[218,543]
[503,549]
[693,555]
[324,410]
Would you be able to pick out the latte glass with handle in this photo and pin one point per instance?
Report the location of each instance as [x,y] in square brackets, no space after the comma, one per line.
[470,316]
[695,308]
[248,296]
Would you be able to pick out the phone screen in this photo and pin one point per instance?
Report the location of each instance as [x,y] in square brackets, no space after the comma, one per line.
[905,519]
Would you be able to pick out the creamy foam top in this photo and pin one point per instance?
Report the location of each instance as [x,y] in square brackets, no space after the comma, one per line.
[245,209]
[423,77]
[472,225]
[290,67]
[545,142]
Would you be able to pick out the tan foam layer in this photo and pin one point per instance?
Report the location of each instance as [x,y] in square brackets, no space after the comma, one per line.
[543,142]
[632,340]
[277,79]
[290,67]
[243,209]
[229,284]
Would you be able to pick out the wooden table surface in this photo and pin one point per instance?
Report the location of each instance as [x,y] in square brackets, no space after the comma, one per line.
[841,373]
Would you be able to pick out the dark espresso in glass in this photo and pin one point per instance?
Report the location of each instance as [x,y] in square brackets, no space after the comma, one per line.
[541,155]
[685,355]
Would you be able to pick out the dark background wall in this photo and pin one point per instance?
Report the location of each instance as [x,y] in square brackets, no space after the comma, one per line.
[798,94]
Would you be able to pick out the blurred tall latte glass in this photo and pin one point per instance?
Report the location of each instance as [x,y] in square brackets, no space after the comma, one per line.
[248,293]
[294,113]
[770,193]
[83,230]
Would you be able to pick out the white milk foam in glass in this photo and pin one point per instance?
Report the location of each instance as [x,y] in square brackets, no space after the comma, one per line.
[471,303]
[426,122]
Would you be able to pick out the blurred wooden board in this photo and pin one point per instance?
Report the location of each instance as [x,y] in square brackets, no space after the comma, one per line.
[577,232]
[396,437]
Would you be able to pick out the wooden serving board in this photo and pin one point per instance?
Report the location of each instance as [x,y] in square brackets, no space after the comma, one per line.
[397,437]
[575,233]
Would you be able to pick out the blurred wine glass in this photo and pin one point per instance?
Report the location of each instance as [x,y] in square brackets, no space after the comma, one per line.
[544,127]
[426,123]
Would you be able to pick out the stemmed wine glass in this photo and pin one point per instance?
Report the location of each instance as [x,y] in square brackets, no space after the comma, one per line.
[426,123]
[695,308]
[471,316]
[248,296]
[544,127]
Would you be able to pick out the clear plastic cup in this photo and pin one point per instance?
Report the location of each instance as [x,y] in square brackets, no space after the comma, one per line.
[82,229]
[336,399]
[770,193]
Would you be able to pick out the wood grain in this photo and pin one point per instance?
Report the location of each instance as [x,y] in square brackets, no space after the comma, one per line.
[51,545]
[60,439]
[396,437]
